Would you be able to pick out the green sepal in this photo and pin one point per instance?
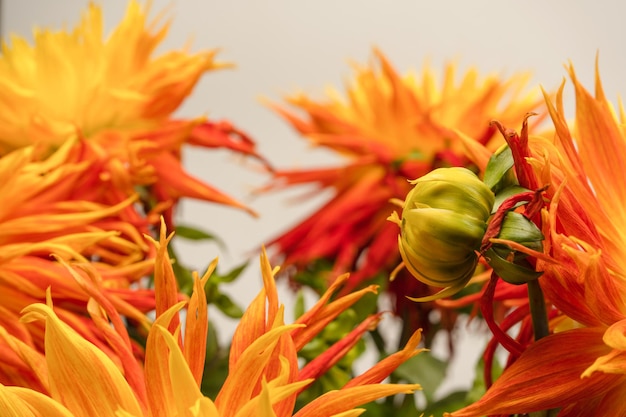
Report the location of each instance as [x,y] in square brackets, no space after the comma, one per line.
[499,173]
[505,194]
[518,228]
[513,273]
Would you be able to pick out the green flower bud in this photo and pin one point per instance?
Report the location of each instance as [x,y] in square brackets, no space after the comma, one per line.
[443,222]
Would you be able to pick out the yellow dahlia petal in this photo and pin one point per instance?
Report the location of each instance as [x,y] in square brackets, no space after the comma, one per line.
[23,402]
[82,377]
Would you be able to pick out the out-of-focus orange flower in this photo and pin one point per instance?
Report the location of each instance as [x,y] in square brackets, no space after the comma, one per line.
[390,129]
[40,215]
[264,376]
[117,98]
[581,367]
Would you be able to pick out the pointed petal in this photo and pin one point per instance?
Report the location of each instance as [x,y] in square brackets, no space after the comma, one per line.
[335,402]
[23,402]
[241,381]
[82,377]
[548,376]
[385,367]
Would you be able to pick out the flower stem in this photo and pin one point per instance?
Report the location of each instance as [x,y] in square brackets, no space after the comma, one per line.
[539,317]
[538,311]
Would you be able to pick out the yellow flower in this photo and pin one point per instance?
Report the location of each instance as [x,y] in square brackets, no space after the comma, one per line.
[117,98]
[264,377]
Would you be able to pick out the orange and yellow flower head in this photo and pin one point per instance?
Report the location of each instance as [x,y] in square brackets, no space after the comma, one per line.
[389,129]
[42,215]
[264,375]
[116,98]
[90,158]
[580,368]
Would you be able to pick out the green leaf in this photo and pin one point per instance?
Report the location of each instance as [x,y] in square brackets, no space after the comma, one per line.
[423,369]
[299,307]
[452,402]
[192,233]
[215,365]
[230,276]
[227,306]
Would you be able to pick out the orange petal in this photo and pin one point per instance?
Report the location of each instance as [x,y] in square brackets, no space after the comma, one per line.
[335,402]
[548,376]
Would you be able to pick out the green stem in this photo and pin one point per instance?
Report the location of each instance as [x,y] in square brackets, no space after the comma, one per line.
[538,309]
[539,317]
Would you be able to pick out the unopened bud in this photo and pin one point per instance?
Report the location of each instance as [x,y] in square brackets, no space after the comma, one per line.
[443,223]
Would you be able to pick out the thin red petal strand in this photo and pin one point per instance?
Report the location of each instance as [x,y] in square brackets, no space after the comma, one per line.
[385,367]
[223,134]
[335,402]
[486,307]
[520,150]
[548,375]
[338,350]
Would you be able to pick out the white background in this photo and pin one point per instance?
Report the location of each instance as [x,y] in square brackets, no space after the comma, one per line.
[284,46]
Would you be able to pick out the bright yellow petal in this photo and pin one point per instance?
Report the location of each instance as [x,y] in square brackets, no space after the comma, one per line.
[23,402]
[159,387]
[82,377]
[185,389]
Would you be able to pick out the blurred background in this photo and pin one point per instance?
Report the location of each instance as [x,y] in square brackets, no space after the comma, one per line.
[284,46]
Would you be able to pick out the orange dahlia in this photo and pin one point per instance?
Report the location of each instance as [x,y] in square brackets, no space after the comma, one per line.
[116,98]
[264,375]
[580,368]
[389,129]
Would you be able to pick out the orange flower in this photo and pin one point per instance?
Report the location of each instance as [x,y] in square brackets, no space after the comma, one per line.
[581,368]
[41,215]
[390,129]
[263,379]
[117,98]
